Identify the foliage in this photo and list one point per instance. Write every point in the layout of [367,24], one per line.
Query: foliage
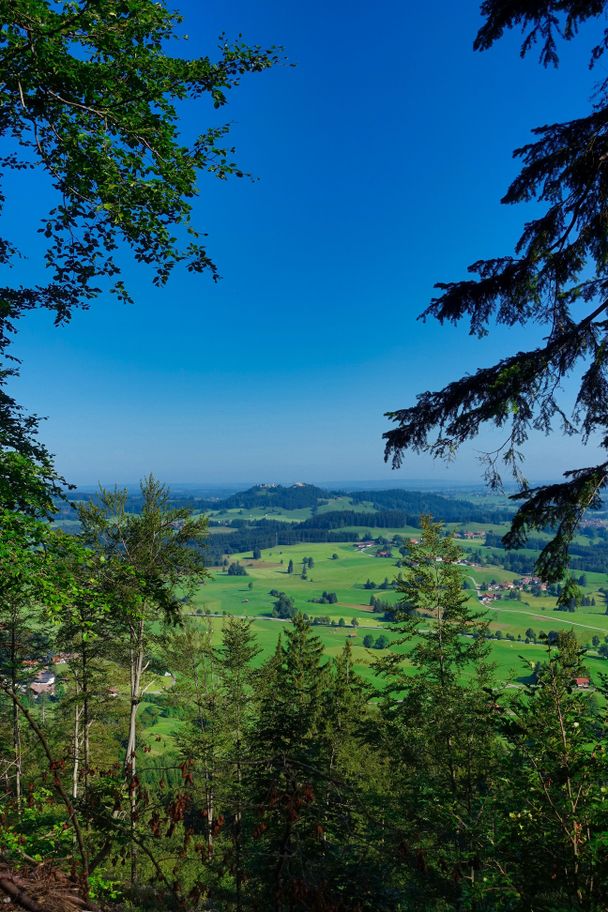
[554,791]
[557,278]
[91,95]
[291,785]
[283,607]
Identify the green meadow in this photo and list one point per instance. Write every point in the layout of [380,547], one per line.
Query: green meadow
[346,575]
[280,514]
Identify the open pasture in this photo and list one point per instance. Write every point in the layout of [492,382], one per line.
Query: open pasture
[281,514]
[345,576]
[249,596]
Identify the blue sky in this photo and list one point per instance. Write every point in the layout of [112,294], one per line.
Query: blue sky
[381,159]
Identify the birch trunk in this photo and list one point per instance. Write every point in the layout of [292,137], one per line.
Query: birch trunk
[136,675]
[15,716]
[76,743]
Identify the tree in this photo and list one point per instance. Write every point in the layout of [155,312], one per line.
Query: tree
[311,847]
[368,641]
[284,607]
[438,728]
[284,780]
[551,803]
[189,653]
[91,96]
[570,596]
[21,643]
[87,619]
[290,567]
[556,278]
[238,651]
[150,558]
[257,554]
[214,693]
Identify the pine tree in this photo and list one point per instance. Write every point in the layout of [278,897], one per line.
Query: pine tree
[438,731]
[236,676]
[552,807]
[555,277]
[287,776]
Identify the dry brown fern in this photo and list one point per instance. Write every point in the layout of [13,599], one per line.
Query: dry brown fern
[40,889]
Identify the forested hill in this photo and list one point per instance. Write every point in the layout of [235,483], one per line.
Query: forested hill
[421,503]
[291,497]
[307,496]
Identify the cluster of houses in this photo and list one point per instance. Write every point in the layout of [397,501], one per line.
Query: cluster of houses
[525,583]
[363,545]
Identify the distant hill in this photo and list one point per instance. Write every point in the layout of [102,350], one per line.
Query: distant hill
[446,509]
[291,497]
[307,496]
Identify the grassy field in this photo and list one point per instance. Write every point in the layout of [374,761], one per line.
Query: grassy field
[345,576]
[282,515]
[249,596]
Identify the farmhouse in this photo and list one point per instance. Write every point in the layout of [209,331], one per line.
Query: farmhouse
[43,683]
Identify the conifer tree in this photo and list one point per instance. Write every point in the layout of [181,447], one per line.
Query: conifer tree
[556,277]
[236,676]
[438,730]
[287,837]
[552,807]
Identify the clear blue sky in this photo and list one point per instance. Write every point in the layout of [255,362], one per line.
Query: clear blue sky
[381,159]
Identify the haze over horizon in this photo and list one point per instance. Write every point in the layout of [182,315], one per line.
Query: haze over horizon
[336,484]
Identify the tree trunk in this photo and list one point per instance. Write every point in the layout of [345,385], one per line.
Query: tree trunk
[136,675]
[238,830]
[15,716]
[76,742]
[86,720]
